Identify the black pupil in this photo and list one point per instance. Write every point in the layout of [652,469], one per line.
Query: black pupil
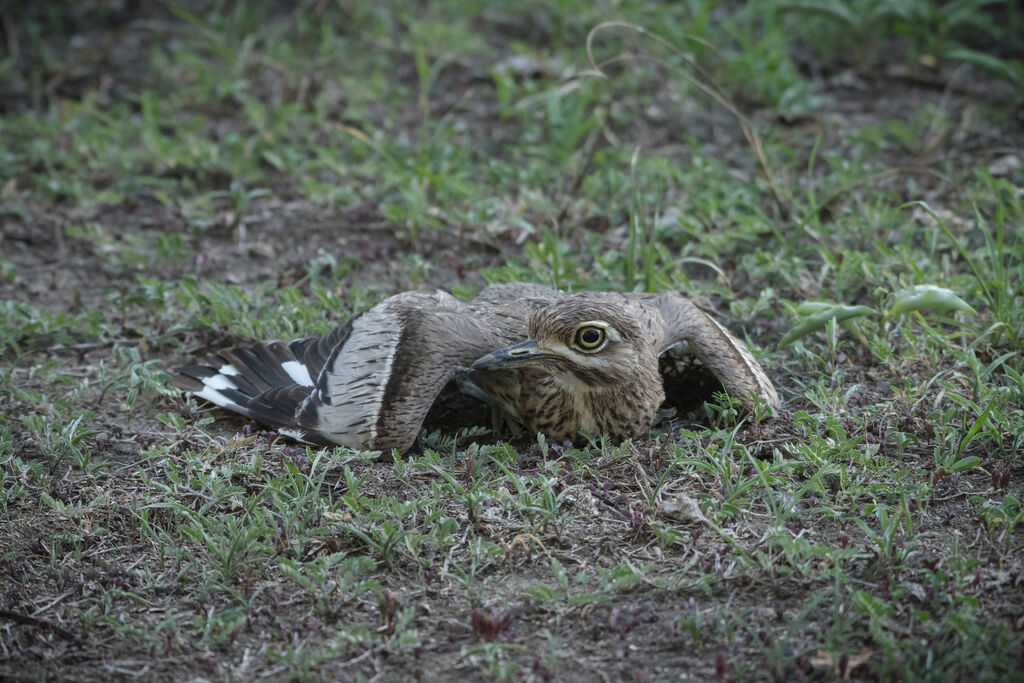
[590,336]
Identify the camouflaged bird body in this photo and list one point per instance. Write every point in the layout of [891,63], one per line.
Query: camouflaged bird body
[562,398]
[370,383]
[562,410]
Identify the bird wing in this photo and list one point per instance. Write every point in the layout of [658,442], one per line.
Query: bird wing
[376,376]
[266,381]
[677,319]
[376,387]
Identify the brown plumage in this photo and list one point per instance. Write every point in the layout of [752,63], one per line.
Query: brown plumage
[544,360]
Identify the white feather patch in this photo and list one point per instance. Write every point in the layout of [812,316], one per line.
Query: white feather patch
[219,382]
[213,396]
[229,370]
[298,372]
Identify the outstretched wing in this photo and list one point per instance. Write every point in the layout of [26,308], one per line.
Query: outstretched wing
[369,383]
[265,381]
[678,319]
[375,389]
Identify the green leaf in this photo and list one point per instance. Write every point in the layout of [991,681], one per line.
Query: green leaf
[927,297]
[819,313]
[1007,70]
[869,605]
[965,463]
[560,574]
[833,9]
[542,593]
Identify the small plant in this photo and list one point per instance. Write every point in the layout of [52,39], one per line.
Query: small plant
[892,540]
[816,315]
[933,32]
[1000,518]
[236,545]
[488,626]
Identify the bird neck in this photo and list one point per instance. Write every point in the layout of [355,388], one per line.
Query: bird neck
[623,407]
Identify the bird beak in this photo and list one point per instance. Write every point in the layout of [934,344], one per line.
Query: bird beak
[523,353]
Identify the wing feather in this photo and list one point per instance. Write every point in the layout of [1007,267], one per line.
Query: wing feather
[679,319]
[376,388]
[370,382]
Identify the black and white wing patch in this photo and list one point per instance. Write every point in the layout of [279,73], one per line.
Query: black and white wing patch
[266,382]
[369,384]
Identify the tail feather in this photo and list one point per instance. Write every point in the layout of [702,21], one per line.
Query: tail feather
[265,382]
[313,352]
[216,387]
[277,407]
[259,365]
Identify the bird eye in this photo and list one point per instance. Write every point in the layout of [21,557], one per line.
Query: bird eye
[589,338]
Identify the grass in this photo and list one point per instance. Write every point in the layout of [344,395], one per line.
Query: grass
[842,190]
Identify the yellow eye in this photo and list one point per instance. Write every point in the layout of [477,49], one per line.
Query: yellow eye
[589,338]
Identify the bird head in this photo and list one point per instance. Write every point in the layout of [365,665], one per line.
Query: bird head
[585,338]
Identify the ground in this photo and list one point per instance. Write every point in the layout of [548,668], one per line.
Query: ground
[182,177]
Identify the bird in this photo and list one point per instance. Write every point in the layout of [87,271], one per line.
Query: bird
[545,361]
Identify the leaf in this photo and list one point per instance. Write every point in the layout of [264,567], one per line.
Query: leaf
[956,243]
[560,575]
[542,593]
[819,313]
[979,423]
[869,605]
[833,10]
[1006,70]
[927,297]
[965,463]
